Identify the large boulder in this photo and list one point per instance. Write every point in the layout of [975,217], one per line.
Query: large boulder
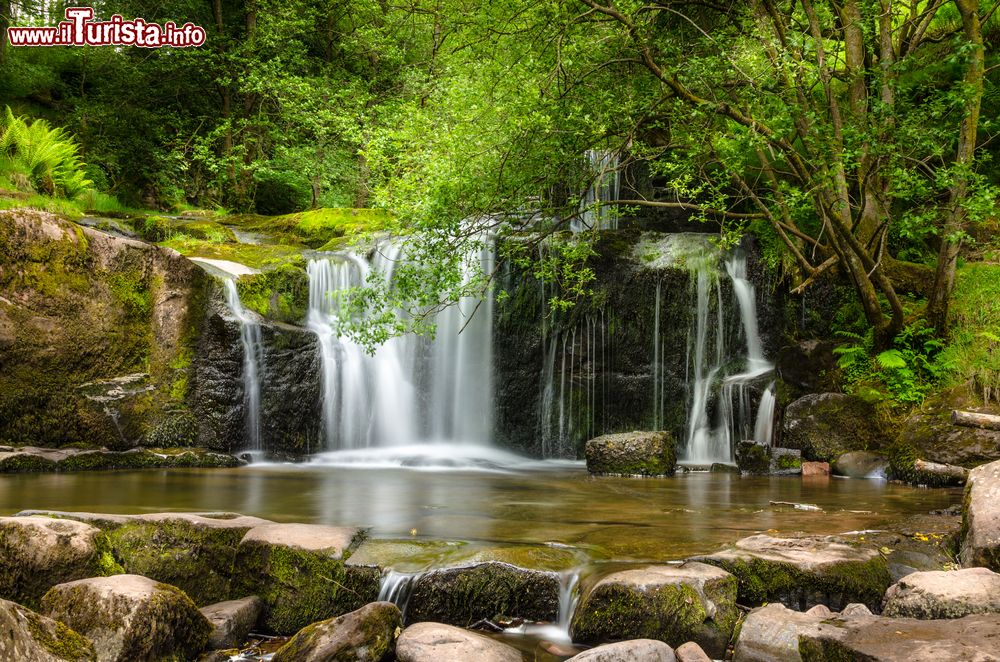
[435,642]
[29,637]
[36,553]
[634,650]
[932,435]
[941,594]
[803,572]
[674,604]
[232,621]
[129,617]
[632,454]
[981,518]
[878,639]
[771,633]
[298,570]
[490,590]
[826,425]
[365,635]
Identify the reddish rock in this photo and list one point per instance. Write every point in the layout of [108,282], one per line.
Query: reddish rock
[815,469]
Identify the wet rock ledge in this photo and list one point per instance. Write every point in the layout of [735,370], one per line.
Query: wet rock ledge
[32,459]
[87,586]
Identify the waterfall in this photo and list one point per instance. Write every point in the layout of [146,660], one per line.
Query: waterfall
[411,389]
[252,359]
[395,587]
[764,427]
[595,212]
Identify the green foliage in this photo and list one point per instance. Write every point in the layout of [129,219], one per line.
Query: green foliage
[48,157]
[973,350]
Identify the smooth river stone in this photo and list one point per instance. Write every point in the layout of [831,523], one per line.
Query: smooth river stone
[364,635]
[633,650]
[943,594]
[435,642]
[981,518]
[30,637]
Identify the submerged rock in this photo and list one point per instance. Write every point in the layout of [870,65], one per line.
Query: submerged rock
[826,425]
[232,621]
[981,518]
[36,553]
[435,642]
[803,572]
[489,590]
[878,639]
[129,617]
[860,464]
[634,650]
[941,594]
[29,637]
[674,604]
[365,635]
[298,570]
[632,454]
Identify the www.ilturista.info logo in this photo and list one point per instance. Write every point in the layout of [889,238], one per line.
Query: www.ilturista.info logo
[80,30]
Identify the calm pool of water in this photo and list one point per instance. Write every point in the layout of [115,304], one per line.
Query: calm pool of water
[640,519]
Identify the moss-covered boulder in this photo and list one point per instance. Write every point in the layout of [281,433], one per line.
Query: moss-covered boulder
[635,650]
[299,571]
[826,425]
[928,430]
[193,552]
[129,617]
[232,621]
[674,604]
[490,590]
[37,553]
[30,637]
[804,572]
[436,642]
[944,594]
[364,635]
[32,459]
[753,458]
[980,535]
[632,454]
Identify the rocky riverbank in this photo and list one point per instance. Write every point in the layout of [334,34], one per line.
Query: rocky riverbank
[87,586]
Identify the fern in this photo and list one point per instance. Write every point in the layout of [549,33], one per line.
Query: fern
[891,359]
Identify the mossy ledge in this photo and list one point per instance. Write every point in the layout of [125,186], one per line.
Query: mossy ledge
[41,460]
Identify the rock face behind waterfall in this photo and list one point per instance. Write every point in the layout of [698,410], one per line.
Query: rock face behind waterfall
[96,336]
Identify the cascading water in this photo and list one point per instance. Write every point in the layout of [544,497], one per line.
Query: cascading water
[252,360]
[395,587]
[411,389]
[595,210]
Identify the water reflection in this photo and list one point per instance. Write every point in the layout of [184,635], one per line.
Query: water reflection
[629,518]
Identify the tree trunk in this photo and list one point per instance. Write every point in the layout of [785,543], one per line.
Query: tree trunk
[951,237]
[971,419]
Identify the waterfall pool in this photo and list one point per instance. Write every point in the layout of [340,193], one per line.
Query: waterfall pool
[487,495]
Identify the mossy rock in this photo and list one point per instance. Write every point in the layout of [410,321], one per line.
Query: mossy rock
[753,458]
[674,604]
[129,617]
[491,590]
[299,571]
[280,294]
[37,553]
[826,425]
[632,454]
[368,633]
[30,636]
[804,572]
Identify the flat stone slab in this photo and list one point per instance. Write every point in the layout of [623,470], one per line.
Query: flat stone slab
[414,555]
[435,642]
[36,553]
[878,639]
[944,594]
[31,459]
[981,518]
[299,572]
[632,454]
[804,572]
[129,617]
[634,650]
[771,633]
[30,637]
[670,603]
[232,621]
[364,635]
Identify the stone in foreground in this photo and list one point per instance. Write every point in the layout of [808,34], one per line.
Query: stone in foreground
[36,553]
[878,639]
[632,454]
[490,590]
[771,633]
[674,604]
[435,642]
[981,518]
[365,635]
[634,650]
[804,572]
[29,637]
[691,652]
[941,594]
[298,571]
[129,617]
[232,621]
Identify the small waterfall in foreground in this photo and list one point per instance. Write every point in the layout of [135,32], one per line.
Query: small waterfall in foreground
[395,587]
[252,360]
[412,388]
